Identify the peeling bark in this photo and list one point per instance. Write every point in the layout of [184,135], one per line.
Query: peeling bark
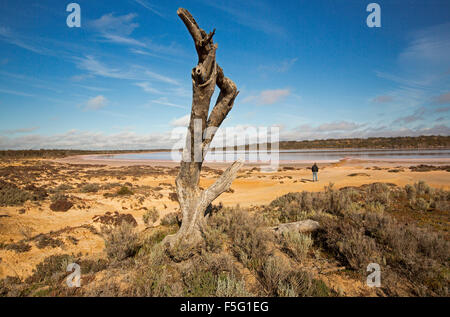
[205,76]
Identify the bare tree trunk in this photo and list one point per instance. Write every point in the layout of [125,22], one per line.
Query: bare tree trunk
[205,76]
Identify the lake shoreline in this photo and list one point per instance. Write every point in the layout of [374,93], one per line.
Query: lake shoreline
[96,160]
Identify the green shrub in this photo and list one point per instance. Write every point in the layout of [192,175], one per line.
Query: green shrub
[90,188]
[11,195]
[124,191]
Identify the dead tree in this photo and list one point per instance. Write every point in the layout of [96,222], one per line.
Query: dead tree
[205,76]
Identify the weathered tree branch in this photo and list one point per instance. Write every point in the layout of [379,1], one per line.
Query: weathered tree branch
[205,76]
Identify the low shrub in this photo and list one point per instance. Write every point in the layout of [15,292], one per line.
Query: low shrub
[170,219]
[11,195]
[296,244]
[90,188]
[124,191]
[150,216]
[121,242]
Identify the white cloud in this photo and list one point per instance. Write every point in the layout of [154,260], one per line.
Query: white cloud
[181,122]
[96,103]
[149,7]
[339,126]
[164,101]
[252,14]
[146,86]
[162,78]
[15,92]
[429,45]
[10,37]
[268,97]
[119,25]
[88,140]
[130,72]
[18,131]
[283,67]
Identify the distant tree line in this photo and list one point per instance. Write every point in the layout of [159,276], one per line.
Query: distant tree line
[419,142]
[46,153]
[422,142]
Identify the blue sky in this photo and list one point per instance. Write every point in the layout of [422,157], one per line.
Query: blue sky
[313,68]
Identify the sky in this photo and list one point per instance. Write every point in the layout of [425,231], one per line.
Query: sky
[314,69]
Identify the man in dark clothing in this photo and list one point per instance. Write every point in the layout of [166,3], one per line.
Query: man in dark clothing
[315,170]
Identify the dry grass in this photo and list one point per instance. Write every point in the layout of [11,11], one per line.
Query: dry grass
[241,256]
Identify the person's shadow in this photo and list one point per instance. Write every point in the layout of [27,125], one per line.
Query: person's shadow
[305,180]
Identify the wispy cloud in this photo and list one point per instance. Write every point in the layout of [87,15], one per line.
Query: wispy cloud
[282,67]
[161,78]
[164,101]
[267,97]
[255,15]
[307,132]
[149,7]
[181,122]
[7,35]
[146,86]
[339,126]
[19,131]
[416,116]
[117,29]
[129,72]
[15,92]
[87,140]
[429,45]
[96,103]
[111,24]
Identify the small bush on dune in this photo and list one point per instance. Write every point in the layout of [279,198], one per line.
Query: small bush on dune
[121,242]
[53,268]
[248,233]
[124,191]
[214,238]
[349,243]
[210,274]
[170,219]
[296,244]
[230,286]
[279,279]
[152,279]
[150,216]
[11,195]
[90,188]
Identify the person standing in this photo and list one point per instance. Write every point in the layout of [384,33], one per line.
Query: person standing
[315,170]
